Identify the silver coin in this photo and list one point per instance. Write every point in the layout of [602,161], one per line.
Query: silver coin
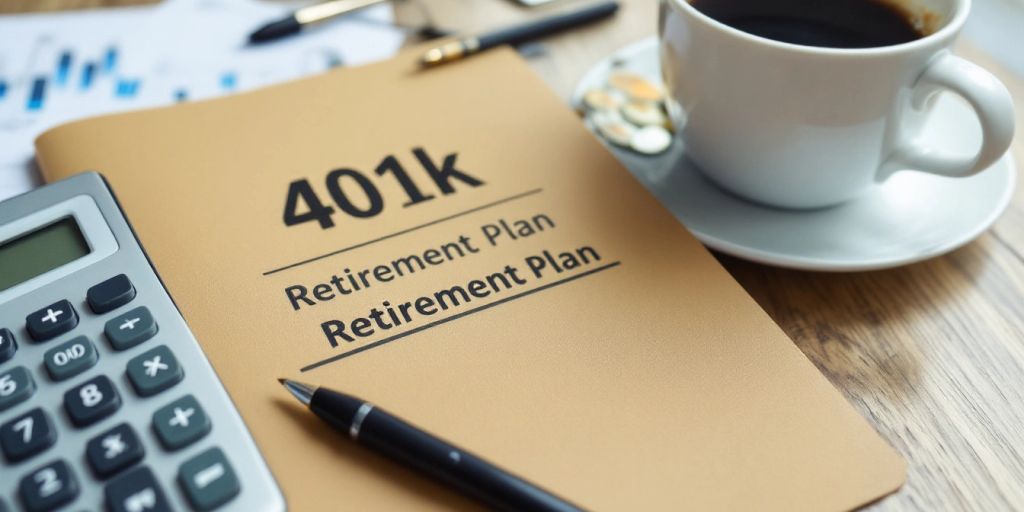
[601,99]
[651,140]
[635,86]
[644,113]
[612,127]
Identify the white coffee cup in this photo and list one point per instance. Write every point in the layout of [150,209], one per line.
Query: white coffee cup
[803,126]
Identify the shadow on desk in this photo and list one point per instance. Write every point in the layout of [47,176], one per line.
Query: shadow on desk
[865,330]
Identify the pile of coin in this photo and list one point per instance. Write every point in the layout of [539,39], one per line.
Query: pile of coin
[629,112]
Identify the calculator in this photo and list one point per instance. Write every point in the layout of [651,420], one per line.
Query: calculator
[107,401]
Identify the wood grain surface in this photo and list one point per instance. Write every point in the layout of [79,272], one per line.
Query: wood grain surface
[931,353]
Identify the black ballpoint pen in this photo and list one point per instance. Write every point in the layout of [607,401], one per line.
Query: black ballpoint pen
[306,16]
[519,34]
[384,433]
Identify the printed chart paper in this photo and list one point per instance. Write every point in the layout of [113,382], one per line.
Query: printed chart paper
[57,67]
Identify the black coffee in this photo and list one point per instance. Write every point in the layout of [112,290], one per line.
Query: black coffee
[825,23]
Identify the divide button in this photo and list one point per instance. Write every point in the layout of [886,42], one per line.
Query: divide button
[130,329]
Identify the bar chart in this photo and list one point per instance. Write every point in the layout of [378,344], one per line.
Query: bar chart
[56,68]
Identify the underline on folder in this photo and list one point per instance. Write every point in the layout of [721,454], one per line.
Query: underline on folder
[350,353]
[405,231]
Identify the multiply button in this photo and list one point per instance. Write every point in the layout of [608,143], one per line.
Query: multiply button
[114,450]
[180,423]
[16,385]
[52,321]
[154,371]
[90,402]
[136,491]
[110,294]
[7,346]
[70,358]
[130,329]
[208,480]
[27,435]
[49,487]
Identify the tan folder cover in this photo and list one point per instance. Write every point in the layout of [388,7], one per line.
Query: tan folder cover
[629,372]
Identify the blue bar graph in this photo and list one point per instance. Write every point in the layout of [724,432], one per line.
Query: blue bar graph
[63,68]
[228,81]
[36,94]
[110,59]
[88,73]
[100,72]
[126,88]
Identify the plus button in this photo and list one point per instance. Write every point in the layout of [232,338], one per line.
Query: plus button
[51,315]
[129,323]
[51,321]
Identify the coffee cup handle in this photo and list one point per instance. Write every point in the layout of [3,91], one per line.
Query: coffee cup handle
[991,102]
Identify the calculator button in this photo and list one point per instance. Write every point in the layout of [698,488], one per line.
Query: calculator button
[114,450]
[70,358]
[130,329]
[8,346]
[49,487]
[16,385]
[110,294]
[27,435]
[92,401]
[180,423]
[52,321]
[154,371]
[208,480]
[136,491]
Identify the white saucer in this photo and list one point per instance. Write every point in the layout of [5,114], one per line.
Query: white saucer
[911,217]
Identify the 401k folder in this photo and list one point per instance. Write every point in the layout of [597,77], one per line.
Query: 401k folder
[455,246]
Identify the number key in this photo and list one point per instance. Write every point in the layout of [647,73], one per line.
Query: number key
[16,385]
[8,346]
[27,435]
[136,491]
[92,401]
[49,487]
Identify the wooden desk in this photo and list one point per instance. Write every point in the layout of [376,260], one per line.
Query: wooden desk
[932,353]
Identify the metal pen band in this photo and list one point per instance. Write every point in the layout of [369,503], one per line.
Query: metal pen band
[357,419]
[451,51]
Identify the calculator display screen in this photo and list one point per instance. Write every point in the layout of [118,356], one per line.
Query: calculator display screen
[40,251]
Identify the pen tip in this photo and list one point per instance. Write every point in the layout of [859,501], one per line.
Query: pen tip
[433,57]
[257,37]
[303,392]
